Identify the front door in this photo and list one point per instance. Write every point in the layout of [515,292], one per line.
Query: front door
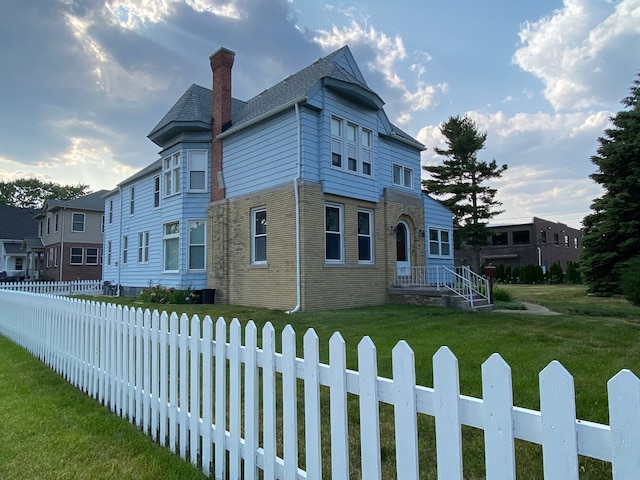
[403,250]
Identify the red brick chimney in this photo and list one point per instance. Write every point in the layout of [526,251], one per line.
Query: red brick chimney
[221,63]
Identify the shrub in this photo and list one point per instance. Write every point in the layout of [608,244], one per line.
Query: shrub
[630,281]
[573,273]
[501,295]
[160,294]
[501,273]
[532,274]
[556,275]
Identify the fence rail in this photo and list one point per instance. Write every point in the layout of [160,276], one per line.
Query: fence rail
[54,288]
[193,386]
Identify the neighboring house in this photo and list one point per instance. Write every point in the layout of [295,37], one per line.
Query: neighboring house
[540,242]
[305,196]
[71,233]
[16,224]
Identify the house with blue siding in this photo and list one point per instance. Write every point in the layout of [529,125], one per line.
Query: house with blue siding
[305,196]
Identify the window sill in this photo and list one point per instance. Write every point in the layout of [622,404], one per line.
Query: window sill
[259,266]
[350,265]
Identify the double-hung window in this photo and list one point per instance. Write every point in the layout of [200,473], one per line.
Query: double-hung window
[92,256]
[259,236]
[132,200]
[333,233]
[402,176]
[365,236]
[110,212]
[57,223]
[171,174]
[125,250]
[351,142]
[439,242]
[197,170]
[76,255]
[143,247]
[108,260]
[336,142]
[77,222]
[156,191]
[171,244]
[197,235]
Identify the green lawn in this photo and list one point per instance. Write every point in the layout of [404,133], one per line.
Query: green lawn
[593,338]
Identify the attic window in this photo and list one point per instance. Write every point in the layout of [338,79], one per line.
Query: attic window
[353,142]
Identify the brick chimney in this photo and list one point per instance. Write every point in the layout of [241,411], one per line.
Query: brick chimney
[221,63]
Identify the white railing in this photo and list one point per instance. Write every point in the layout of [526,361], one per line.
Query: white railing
[193,386]
[462,281]
[55,288]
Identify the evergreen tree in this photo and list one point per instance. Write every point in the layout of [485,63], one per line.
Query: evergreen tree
[460,183]
[612,231]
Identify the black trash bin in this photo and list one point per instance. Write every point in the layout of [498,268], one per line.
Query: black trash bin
[208,295]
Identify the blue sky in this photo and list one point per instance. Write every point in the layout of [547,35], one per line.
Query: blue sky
[84,81]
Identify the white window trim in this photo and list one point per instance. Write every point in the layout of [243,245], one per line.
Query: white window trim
[189,245]
[440,242]
[143,247]
[84,222]
[170,237]
[110,212]
[254,236]
[71,262]
[403,169]
[204,170]
[370,236]
[340,232]
[132,200]
[343,143]
[171,168]
[125,249]
[86,256]
[108,253]
[157,191]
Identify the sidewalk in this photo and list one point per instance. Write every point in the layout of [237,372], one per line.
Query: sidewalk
[531,308]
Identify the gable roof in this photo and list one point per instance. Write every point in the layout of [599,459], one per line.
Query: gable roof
[193,108]
[17,223]
[91,202]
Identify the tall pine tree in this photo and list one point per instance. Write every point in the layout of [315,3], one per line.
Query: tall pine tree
[612,231]
[460,183]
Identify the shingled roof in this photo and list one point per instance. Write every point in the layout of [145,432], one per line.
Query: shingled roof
[93,202]
[17,223]
[193,109]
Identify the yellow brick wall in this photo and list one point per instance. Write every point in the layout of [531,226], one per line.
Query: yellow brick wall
[323,285]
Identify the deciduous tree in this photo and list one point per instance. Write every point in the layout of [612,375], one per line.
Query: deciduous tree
[32,193]
[612,231]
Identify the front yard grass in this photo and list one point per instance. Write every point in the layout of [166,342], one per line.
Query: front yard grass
[593,338]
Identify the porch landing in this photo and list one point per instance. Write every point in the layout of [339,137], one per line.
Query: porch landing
[426,295]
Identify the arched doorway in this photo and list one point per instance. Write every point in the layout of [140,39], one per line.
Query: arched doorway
[403,249]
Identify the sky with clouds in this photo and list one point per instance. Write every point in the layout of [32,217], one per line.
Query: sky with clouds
[84,81]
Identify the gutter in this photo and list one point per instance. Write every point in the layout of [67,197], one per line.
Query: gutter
[297,201]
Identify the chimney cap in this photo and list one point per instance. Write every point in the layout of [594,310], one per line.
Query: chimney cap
[222,50]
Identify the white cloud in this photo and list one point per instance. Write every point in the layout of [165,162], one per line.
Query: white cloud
[584,53]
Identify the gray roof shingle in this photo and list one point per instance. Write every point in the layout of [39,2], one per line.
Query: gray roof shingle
[17,223]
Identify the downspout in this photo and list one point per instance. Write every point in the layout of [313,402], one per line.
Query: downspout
[62,245]
[119,262]
[297,202]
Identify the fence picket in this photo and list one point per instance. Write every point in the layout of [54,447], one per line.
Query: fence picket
[207,394]
[558,413]
[338,407]
[148,368]
[369,410]
[235,400]
[446,385]
[194,390]
[313,440]
[221,398]
[497,395]
[251,408]
[289,402]
[624,416]
[406,426]
[269,401]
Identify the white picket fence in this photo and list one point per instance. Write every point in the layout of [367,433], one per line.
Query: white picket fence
[194,387]
[55,288]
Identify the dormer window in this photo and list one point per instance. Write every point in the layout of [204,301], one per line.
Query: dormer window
[351,142]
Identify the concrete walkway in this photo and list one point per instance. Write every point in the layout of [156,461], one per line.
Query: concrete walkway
[531,308]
